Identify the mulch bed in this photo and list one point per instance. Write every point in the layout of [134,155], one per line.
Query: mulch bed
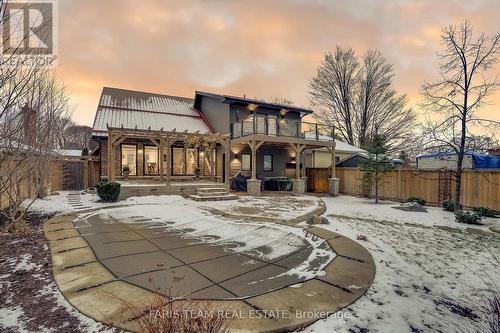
[31,286]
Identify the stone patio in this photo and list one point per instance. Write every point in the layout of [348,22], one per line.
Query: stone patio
[95,257]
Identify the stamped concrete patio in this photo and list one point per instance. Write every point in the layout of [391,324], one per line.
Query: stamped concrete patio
[102,258]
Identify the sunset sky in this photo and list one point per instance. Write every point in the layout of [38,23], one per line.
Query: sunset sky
[257,48]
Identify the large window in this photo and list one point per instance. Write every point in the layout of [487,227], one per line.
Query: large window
[129,158]
[191,161]
[268,162]
[178,161]
[151,164]
[205,164]
[246,162]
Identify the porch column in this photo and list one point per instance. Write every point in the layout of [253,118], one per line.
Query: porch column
[227,146]
[334,167]
[111,157]
[212,161]
[298,183]
[333,181]
[167,169]
[254,159]
[160,162]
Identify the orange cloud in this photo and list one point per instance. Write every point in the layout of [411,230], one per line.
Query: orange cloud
[257,48]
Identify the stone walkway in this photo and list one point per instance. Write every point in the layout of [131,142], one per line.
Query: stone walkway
[98,262]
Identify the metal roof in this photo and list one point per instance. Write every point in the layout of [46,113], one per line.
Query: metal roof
[131,109]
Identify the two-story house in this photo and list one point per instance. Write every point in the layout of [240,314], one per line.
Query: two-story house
[146,132]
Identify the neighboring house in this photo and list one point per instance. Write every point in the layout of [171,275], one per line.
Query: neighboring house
[148,132]
[322,158]
[355,161]
[448,160]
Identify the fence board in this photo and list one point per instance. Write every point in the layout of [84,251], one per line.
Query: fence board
[479,188]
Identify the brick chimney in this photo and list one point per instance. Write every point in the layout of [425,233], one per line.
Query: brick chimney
[29,124]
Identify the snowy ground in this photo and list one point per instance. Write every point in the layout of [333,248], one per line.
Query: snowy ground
[277,206]
[432,273]
[29,298]
[427,278]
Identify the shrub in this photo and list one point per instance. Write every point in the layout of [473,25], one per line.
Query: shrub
[449,205]
[485,211]
[126,168]
[418,200]
[108,191]
[468,217]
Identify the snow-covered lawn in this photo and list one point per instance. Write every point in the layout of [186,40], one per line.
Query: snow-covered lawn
[366,208]
[424,274]
[432,272]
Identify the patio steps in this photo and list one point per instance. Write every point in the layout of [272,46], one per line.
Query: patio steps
[213,194]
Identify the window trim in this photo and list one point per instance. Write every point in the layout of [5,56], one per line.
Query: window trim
[250,167]
[264,163]
[185,161]
[136,158]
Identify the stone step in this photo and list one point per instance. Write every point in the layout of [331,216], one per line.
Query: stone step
[212,194]
[214,198]
[212,189]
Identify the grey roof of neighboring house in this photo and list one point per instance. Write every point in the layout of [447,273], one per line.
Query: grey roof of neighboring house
[127,108]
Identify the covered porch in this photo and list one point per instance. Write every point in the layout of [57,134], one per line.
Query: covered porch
[261,157]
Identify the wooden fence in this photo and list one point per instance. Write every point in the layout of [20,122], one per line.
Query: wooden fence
[479,188]
[27,188]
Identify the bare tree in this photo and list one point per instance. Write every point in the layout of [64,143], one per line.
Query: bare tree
[32,103]
[280,100]
[380,110]
[462,88]
[357,98]
[74,136]
[332,92]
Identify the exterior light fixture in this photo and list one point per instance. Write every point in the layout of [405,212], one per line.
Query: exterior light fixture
[283,112]
[252,107]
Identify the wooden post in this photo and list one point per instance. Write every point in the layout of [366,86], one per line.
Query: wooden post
[212,161]
[228,157]
[334,167]
[297,162]
[167,169]
[85,173]
[254,159]
[111,164]
[160,153]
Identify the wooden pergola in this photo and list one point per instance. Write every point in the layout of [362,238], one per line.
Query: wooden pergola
[164,140]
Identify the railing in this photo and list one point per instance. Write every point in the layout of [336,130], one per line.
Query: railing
[273,126]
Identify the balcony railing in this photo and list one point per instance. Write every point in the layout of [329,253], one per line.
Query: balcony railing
[273,126]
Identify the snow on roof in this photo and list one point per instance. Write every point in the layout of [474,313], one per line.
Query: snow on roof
[119,107]
[340,146]
[69,152]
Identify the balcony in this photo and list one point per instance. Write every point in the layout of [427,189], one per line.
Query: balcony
[289,128]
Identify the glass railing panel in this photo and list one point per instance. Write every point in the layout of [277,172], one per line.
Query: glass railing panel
[248,126]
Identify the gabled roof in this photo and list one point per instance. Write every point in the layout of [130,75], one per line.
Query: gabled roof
[228,99]
[131,109]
